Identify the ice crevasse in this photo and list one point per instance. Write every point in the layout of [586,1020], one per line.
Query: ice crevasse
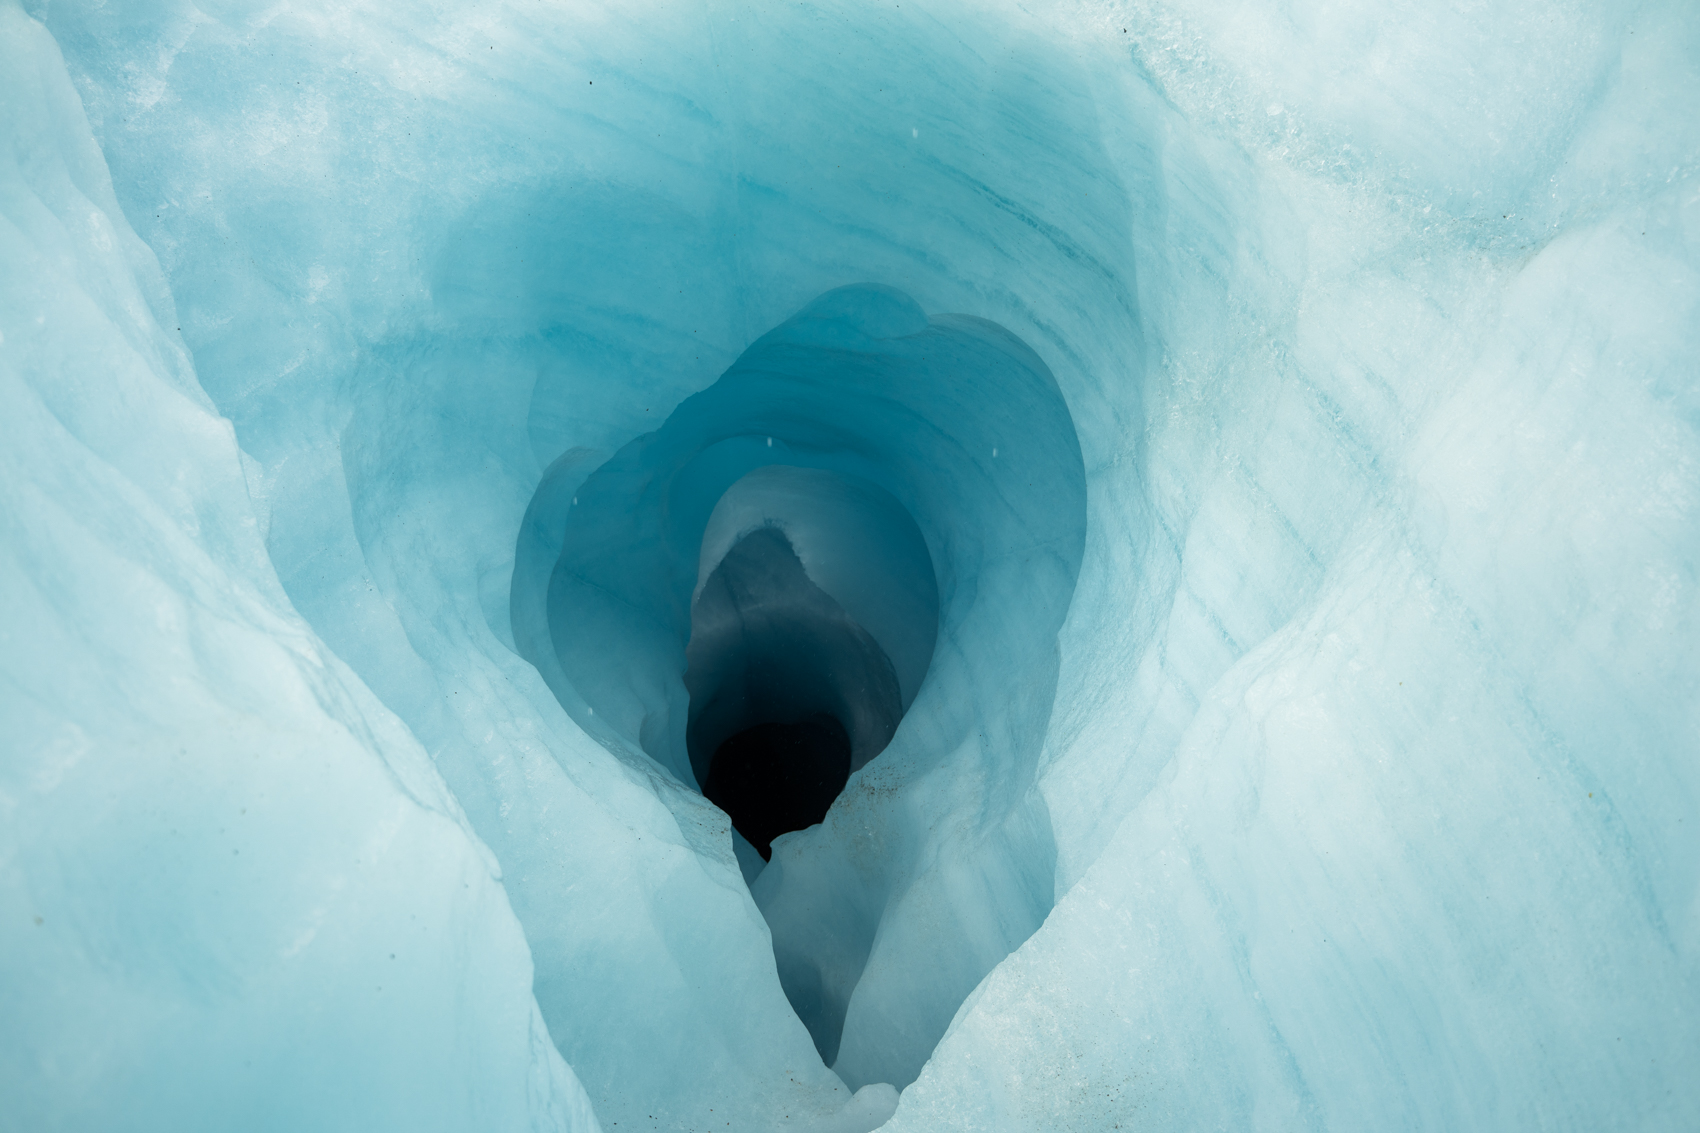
[1195,508]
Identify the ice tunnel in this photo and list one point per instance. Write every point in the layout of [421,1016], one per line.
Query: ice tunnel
[822,567]
[871,513]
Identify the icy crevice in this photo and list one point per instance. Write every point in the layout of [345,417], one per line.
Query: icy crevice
[788,694]
[907,493]
[1368,724]
[769,646]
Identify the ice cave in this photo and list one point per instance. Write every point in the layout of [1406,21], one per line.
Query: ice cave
[586,565]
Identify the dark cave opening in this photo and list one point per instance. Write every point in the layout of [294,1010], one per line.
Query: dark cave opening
[777,777]
[789,694]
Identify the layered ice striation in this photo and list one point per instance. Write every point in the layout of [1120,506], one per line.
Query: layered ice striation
[821,567]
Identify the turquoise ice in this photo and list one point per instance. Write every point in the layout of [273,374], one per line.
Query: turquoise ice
[1247,458]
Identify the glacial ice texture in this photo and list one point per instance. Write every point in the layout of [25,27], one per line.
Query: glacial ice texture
[1237,468]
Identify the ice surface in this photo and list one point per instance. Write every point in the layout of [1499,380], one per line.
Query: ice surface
[1307,729]
[234,893]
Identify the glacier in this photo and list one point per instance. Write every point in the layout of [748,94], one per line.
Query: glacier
[1214,488]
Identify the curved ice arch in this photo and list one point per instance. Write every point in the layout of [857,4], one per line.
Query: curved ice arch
[963,427]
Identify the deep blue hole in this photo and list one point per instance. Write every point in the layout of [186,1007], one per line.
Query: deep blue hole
[775,778]
[787,691]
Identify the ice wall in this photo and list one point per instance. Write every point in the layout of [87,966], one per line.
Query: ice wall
[1366,794]
[234,892]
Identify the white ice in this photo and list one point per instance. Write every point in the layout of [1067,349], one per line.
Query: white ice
[1309,735]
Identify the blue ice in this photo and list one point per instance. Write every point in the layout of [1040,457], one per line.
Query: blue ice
[1226,478]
